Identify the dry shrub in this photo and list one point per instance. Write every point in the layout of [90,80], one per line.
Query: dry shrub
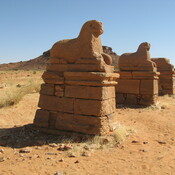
[121,133]
[118,137]
[34,85]
[10,97]
[12,94]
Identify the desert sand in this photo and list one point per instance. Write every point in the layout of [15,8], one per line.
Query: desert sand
[149,150]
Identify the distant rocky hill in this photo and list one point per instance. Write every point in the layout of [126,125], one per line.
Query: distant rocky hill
[40,62]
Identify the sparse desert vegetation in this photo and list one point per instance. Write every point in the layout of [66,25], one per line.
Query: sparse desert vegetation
[149,149]
[14,88]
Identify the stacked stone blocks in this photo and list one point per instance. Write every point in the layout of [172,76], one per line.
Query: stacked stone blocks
[138,82]
[167,76]
[137,88]
[78,94]
[82,102]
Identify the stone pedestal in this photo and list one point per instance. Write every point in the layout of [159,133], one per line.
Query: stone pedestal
[138,83]
[75,99]
[167,76]
[137,88]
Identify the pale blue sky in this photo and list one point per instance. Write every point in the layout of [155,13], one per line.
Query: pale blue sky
[30,27]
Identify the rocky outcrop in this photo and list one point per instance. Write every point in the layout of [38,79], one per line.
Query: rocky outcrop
[38,63]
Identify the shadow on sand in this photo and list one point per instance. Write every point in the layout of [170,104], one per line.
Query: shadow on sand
[23,136]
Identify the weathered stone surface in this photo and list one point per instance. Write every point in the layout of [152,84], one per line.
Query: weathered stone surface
[128,86]
[125,75]
[59,90]
[113,122]
[148,99]
[56,103]
[57,60]
[47,89]
[53,77]
[89,92]
[131,99]
[89,61]
[166,75]
[145,75]
[149,87]
[86,45]
[80,68]
[41,118]
[139,60]
[134,84]
[82,123]
[120,98]
[79,91]
[91,83]
[52,119]
[91,78]
[138,75]
[163,64]
[166,83]
[94,107]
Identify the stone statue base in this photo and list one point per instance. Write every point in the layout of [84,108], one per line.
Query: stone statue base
[167,83]
[137,88]
[167,76]
[77,102]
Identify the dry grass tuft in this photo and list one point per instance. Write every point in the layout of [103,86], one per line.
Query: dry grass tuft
[122,133]
[13,93]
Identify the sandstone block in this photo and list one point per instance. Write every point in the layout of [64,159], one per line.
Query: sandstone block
[89,61]
[47,89]
[52,119]
[166,91]
[79,91]
[53,77]
[90,78]
[149,87]
[80,68]
[163,64]
[41,118]
[166,81]
[145,75]
[57,60]
[128,86]
[89,92]
[166,86]
[82,123]
[132,99]
[128,99]
[59,90]
[94,107]
[113,122]
[137,61]
[93,76]
[125,75]
[148,99]
[54,103]
[120,98]
[91,83]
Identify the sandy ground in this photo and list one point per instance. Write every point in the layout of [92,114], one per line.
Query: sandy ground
[148,151]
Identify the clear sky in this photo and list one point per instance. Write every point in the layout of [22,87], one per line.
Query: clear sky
[30,27]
